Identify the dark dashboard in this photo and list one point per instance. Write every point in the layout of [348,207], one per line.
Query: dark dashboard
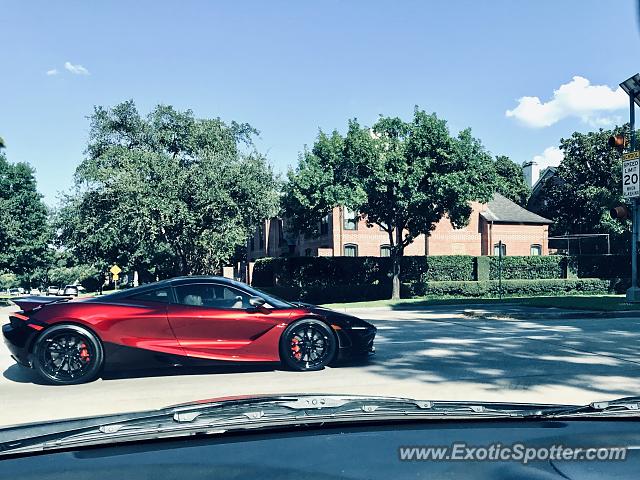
[369,451]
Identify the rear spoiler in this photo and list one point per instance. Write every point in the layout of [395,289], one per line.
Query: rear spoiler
[31,303]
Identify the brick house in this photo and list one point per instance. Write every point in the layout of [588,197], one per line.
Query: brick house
[343,233]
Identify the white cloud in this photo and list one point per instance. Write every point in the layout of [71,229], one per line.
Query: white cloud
[578,98]
[76,69]
[52,72]
[551,157]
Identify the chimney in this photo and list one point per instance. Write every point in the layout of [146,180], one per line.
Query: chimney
[531,171]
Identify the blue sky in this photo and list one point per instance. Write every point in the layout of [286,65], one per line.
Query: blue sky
[292,67]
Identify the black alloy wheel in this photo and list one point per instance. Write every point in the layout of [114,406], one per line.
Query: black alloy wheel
[308,345]
[68,355]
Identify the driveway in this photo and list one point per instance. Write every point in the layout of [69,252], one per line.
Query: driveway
[434,353]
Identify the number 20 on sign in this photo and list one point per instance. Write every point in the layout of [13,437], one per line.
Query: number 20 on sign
[631,174]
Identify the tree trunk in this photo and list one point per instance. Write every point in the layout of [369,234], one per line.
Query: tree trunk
[396,256]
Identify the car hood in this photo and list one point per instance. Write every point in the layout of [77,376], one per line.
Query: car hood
[342,319]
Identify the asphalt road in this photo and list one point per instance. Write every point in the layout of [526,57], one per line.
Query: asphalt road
[428,354]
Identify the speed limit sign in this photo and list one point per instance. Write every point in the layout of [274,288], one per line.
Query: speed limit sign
[631,174]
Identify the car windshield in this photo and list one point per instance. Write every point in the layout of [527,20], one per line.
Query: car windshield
[435,201]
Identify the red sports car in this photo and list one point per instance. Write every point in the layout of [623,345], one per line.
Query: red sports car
[185,320]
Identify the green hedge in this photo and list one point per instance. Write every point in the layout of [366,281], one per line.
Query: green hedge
[528,268]
[325,271]
[334,294]
[509,287]
[602,266]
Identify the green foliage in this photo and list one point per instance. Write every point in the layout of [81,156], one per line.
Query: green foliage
[483,268]
[24,228]
[307,272]
[514,267]
[603,266]
[85,275]
[550,287]
[328,271]
[511,182]
[8,280]
[403,176]
[333,294]
[587,184]
[165,194]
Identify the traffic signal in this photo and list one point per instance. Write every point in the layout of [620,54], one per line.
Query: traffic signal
[620,212]
[619,142]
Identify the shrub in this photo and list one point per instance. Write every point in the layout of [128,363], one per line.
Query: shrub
[334,294]
[602,266]
[449,268]
[509,287]
[527,267]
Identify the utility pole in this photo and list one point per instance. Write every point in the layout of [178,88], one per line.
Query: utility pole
[631,178]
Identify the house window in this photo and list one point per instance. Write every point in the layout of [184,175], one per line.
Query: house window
[385,251]
[536,250]
[496,249]
[261,236]
[350,219]
[350,250]
[324,225]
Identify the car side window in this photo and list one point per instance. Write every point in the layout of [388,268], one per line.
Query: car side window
[158,296]
[212,295]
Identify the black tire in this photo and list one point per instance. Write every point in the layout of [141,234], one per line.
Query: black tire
[67,355]
[308,345]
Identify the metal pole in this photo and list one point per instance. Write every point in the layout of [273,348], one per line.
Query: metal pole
[634,205]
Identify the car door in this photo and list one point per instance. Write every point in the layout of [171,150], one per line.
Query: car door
[215,321]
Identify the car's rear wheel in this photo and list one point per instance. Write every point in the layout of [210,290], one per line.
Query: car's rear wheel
[68,355]
[307,345]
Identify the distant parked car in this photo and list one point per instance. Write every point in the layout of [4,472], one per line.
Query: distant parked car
[13,291]
[35,291]
[71,290]
[52,290]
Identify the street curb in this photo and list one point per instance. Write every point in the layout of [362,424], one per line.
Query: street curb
[547,313]
[553,314]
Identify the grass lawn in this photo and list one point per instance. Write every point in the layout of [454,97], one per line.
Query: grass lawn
[576,302]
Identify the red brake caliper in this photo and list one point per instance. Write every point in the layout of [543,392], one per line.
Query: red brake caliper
[295,348]
[84,352]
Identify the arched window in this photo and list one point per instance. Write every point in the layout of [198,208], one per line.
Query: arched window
[351,250]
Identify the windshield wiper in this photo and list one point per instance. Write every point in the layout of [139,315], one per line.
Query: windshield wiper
[247,414]
[622,407]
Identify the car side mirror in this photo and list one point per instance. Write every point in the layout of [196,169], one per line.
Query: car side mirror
[257,301]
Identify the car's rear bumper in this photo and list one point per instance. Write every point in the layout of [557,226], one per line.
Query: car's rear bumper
[18,340]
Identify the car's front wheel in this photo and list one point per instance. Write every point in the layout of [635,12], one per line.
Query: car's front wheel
[307,345]
[68,355]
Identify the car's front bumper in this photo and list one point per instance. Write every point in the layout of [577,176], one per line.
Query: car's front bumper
[18,339]
[356,342]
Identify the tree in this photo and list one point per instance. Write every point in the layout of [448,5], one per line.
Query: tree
[168,194]
[587,185]
[402,176]
[24,228]
[511,182]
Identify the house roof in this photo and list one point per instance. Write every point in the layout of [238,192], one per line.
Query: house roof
[501,209]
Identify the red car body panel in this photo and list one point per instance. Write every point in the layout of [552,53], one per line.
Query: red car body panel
[133,324]
[225,334]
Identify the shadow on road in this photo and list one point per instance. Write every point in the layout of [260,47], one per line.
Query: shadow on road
[602,355]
